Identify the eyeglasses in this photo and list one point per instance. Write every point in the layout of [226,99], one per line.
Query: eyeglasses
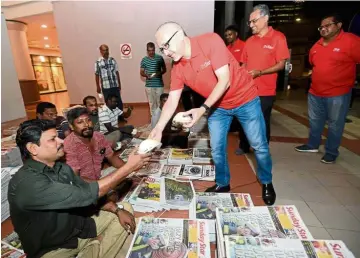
[326,26]
[166,44]
[254,21]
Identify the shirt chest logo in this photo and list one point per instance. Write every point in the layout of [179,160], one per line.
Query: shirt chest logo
[237,50]
[336,49]
[268,47]
[204,65]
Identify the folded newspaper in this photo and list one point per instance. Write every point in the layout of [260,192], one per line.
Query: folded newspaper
[156,194]
[11,252]
[173,238]
[242,247]
[205,204]
[260,221]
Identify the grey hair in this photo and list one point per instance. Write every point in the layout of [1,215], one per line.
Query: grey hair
[264,9]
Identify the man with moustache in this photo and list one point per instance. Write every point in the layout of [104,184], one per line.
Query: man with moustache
[334,58]
[91,105]
[264,55]
[49,204]
[85,148]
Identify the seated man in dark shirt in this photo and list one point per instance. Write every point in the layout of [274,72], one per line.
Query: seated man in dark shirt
[49,204]
[47,111]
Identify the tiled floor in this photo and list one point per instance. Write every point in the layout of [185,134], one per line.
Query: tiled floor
[327,196]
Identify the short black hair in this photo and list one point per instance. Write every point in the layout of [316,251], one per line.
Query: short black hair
[336,18]
[88,98]
[110,96]
[150,45]
[74,113]
[30,131]
[164,96]
[233,28]
[40,108]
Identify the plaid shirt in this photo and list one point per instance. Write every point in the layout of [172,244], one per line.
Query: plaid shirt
[80,157]
[106,69]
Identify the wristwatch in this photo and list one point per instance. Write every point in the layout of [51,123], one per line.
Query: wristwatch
[120,207]
[206,107]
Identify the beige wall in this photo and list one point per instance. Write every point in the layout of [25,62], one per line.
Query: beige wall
[12,104]
[83,26]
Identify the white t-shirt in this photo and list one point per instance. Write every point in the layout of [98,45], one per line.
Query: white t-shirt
[106,115]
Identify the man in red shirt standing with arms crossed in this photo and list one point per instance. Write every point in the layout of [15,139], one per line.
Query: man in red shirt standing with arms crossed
[264,55]
[206,65]
[334,58]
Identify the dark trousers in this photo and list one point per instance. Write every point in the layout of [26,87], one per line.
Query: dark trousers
[267,103]
[113,91]
[191,99]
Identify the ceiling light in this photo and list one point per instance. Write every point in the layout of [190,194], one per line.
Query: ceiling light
[47,46]
[298,19]
[42,58]
[46,38]
[58,60]
[44,26]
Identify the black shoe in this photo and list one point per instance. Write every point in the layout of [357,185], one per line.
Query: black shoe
[218,189]
[328,159]
[268,194]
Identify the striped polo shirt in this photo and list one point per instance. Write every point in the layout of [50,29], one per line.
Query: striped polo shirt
[107,115]
[153,65]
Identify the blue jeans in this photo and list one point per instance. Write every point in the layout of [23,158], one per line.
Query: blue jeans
[252,121]
[327,109]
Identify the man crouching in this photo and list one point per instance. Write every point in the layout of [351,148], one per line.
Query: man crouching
[49,204]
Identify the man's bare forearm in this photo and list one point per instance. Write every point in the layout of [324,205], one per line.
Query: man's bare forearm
[109,182]
[219,90]
[109,206]
[274,69]
[97,80]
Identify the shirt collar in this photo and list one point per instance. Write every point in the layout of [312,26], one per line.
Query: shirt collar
[268,34]
[42,167]
[338,37]
[102,58]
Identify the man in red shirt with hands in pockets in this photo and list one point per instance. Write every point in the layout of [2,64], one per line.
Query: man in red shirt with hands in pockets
[206,65]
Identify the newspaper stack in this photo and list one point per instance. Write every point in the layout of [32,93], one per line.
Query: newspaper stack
[6,174]
[199,140]
[202,156]
[156,194]
[9,251]
[180,157]
[259,221]
[241,247]
[205,204]
[11,157]
[13,240]
[175,238]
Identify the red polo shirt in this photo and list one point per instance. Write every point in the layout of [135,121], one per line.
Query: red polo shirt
[209,53]
[261,53]
[236,49]
[334,65]
[80,157]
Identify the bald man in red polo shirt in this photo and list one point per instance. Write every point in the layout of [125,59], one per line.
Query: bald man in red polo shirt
[264,55]
[206,65]
[334,58]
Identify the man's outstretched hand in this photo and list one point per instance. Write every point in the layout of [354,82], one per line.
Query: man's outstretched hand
[196,114]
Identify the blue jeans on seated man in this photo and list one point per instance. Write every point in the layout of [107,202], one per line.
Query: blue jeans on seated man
[332,110]
[252,120]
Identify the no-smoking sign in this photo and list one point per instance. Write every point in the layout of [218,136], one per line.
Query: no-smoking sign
[126,51]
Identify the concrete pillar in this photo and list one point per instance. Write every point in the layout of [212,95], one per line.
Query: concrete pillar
[16,31]
[229,13]
[12,104]
[20,49]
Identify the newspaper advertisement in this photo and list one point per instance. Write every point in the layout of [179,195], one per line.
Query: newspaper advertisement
[174,238]
[242,247]
[170,171]
[260,221]
[177,193]
[150,169]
